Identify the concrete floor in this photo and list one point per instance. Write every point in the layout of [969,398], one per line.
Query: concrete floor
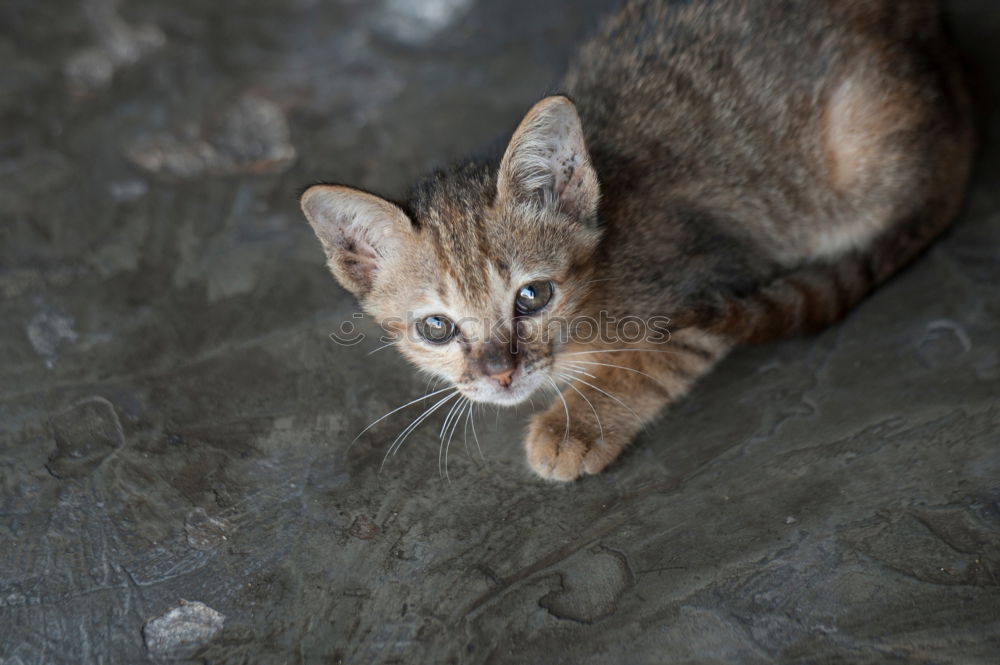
[175,421]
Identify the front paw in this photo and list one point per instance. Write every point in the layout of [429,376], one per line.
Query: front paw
[557,454]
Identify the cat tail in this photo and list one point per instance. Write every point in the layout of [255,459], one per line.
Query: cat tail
[810,298]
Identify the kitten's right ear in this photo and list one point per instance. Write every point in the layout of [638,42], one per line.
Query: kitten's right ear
[547,162]
[360,232]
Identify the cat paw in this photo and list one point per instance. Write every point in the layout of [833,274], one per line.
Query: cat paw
[555,454]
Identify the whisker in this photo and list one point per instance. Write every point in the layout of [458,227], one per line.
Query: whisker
[386,346]
[565,407]
[444,429]
[432,381]
[604,392]
[400,408]
[627,369]
[580,393]
[475,437]
[447,446]
[453,414]
[413,424]
[398,442]
[583,353]
[580,371]
[465,430]
[447,419]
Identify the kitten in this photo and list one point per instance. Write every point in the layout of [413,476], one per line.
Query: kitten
[746,168]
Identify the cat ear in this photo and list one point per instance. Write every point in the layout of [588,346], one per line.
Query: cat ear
[547,163]
[359,232]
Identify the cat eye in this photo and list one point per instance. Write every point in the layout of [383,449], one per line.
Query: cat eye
[436,329]
[533,297]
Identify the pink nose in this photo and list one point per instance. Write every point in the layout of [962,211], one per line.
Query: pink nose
[503,378]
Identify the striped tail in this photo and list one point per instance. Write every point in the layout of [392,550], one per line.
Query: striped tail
[808,299]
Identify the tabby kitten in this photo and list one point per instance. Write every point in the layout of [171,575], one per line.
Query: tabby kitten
[748,169]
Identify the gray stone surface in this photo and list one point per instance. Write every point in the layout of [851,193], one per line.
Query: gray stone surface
[175,421]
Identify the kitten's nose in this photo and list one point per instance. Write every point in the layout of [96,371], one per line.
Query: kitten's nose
[498,363]
[503,378]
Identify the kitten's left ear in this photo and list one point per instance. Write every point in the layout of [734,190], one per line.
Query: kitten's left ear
[547,163]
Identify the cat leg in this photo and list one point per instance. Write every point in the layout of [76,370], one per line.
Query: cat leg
[608,396]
